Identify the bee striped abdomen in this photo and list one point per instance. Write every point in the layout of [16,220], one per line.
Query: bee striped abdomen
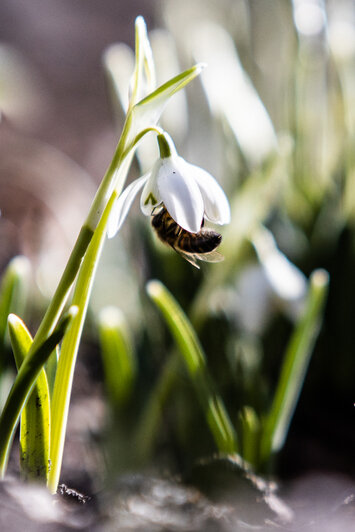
[192,246]
[202,242]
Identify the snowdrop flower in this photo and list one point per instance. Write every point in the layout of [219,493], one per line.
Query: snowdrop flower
[189,193]
[288,283]
[275,283]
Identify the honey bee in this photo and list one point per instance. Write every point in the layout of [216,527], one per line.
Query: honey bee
[191,246]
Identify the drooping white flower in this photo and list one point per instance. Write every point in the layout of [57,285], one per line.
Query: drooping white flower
[189,193]
[288,283]
[273,284]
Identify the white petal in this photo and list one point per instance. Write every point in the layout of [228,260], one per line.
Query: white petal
[286,280]
[217,209]
[150,197]
[180,194]
[123,204]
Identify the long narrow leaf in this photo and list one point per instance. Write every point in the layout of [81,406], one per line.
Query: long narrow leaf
[35,417]
[250,434]
[294,367]
[13,293]
[23,386]
[117,355]
[148,424]
[216,415]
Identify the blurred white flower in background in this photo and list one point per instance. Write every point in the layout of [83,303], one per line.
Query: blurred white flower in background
[274,283]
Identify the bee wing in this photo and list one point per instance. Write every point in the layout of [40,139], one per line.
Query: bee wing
[212,256]
[190,257]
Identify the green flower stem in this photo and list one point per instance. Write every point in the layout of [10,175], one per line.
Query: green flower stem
[59,299]
[61,294]
[294,368]
[67,359]
[23,386]
[189,346]
[117,171]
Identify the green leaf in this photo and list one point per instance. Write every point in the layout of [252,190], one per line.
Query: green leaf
[24,383]
[294,367]
[250,432]
[117,355]
[35,417]
[189,346]
[13,293]
[148,423]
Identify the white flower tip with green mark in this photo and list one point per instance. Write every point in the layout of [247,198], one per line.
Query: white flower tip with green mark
[188,192]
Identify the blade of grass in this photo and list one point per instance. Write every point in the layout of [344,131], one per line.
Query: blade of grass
[189,346]
[35,417]
[250,432]
[117,355]
[13,293]
[23,386]
[148,423]
[294,367]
